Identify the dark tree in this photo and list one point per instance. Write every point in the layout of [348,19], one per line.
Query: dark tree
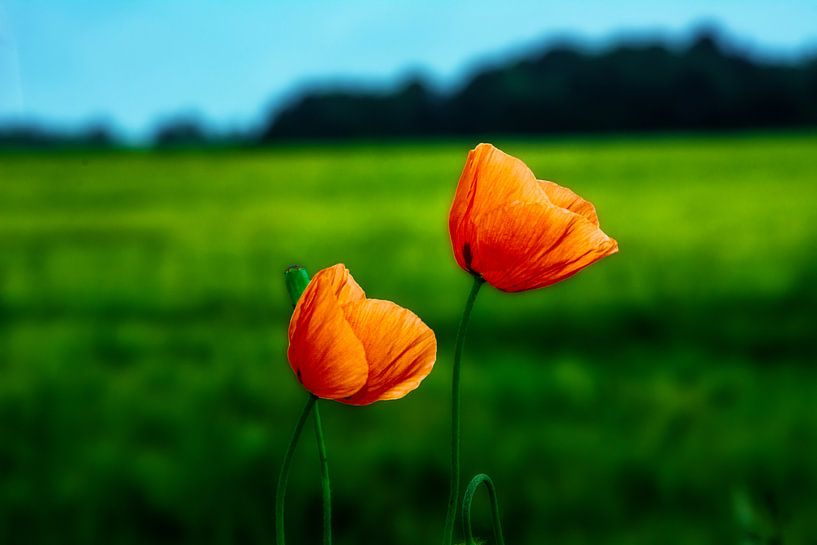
[639,87]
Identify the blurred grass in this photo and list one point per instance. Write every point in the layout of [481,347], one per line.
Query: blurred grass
[145,395]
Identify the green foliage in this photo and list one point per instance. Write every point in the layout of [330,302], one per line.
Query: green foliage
[145,394]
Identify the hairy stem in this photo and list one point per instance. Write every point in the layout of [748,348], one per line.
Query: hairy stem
[448,532]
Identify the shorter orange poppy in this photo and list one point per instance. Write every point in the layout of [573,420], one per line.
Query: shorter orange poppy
[517,232]
[348,348]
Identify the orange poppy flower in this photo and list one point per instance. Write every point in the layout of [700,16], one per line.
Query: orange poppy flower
[517,232]
[355,350]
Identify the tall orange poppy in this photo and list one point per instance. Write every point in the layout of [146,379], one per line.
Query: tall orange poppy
[355,350]
[517,232]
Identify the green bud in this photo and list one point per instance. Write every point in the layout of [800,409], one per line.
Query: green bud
[297,279]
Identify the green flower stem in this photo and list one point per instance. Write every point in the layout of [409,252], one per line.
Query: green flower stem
[280,491]
[297,279]
[325,483]
[448,533]
[482,478]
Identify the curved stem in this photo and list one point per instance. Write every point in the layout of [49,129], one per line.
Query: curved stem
[297,279]
[325,484]
[448,532]
[280,491]
[482,478]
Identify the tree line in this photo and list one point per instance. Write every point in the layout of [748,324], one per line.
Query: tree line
[705,85]
[642,87]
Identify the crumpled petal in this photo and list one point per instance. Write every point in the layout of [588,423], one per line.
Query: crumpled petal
[400,349]
[324,352]
[532,246]
[490,179]
[342,283]
[565,198]
[517,232]
[355,350]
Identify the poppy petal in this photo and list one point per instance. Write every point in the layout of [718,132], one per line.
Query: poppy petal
[565,198]
[400,349]
[532,245]
[490,179]
[518,232]
[324,352]
[342,283]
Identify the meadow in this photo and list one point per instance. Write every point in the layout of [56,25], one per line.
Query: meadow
[664,395]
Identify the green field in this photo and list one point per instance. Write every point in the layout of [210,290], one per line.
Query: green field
[665,395]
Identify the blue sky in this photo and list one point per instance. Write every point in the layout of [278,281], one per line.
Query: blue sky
[130,63]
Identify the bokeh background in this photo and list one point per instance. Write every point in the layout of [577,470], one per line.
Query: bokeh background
[161,163]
